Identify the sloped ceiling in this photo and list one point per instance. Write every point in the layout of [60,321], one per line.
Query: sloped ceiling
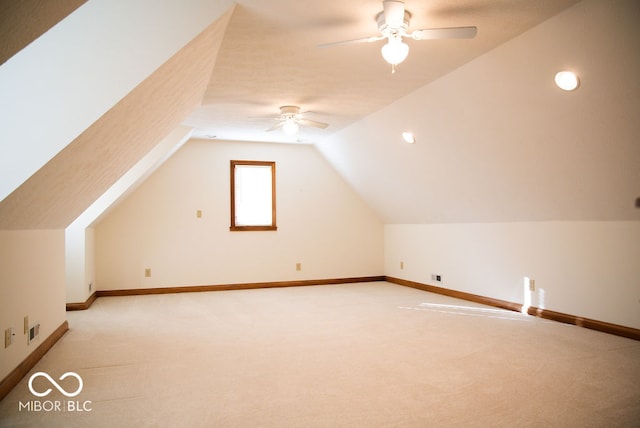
[497,141]
[60,191]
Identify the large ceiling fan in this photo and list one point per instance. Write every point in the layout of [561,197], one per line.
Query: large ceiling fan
[290,120]
[393,23]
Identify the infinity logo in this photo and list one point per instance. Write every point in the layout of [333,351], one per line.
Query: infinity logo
[54,383]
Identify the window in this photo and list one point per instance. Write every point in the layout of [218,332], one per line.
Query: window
[253,195]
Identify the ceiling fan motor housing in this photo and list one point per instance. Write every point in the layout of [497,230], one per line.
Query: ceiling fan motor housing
[388,30]
[289,112]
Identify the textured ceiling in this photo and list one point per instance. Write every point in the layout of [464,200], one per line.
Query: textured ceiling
[269,58]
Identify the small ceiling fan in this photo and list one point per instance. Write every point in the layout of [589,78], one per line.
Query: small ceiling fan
[290,120]
[393,23]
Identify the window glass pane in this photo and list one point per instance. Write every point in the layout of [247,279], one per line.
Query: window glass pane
[253,196]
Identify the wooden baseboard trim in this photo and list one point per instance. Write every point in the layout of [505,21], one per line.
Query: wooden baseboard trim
[244,286]
[84,305]
[457,294]
[14,377]
[605,327]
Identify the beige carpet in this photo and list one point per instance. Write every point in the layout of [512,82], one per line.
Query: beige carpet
[353,355]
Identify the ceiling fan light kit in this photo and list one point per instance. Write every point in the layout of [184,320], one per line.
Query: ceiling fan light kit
[290,127]
[395,51]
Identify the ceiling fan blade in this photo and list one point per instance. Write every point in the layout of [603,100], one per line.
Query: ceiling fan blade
[445,33]
[276,126]
[315,124]
[345,42]
[393,13]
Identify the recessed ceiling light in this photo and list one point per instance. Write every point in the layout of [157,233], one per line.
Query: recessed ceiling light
[408,137]
[567,80]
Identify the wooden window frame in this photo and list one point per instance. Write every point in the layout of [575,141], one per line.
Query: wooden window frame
[233,226]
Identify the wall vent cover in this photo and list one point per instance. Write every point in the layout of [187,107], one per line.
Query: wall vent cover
[34,332]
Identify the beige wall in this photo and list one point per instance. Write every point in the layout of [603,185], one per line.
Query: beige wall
[588,269]
[322,224]
[32,283]
[79,263]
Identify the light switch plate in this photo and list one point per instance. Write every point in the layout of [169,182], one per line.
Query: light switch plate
[8,337]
